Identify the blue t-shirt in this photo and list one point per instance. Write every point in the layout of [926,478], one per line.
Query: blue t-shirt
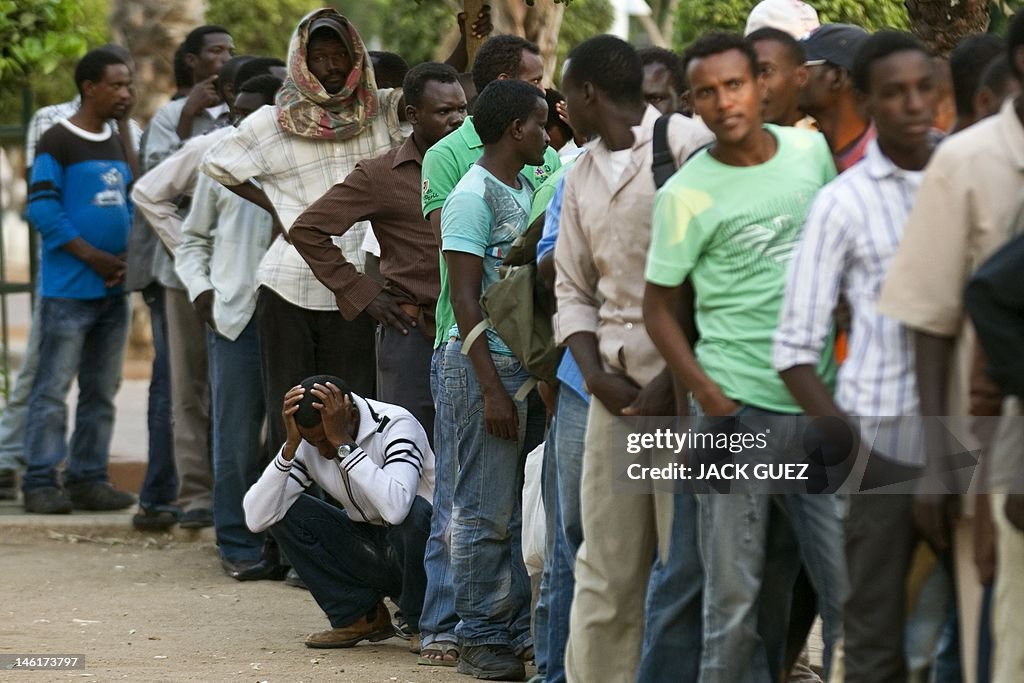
[483,216]
[79,188]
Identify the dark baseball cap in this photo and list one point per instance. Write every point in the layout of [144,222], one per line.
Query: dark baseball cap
[835,44]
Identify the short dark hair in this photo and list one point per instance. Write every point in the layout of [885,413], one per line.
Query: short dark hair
[716,43]
[308,416]
[877,47]
[182,73]
[793,47]
[500,55]
[996,76]
[196,39]
[94,64]
[553,97]
[966,63]
[611,65]
[668,59]
[416,80]
[501,103]
[264,85]
[388,68]
[229,72]
[1014,40]
[257,66]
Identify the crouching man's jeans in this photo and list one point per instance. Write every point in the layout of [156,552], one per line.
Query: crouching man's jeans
[350,566]
[492,588]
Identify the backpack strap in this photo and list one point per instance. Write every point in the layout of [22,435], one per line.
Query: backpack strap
[664,164]
[474,334]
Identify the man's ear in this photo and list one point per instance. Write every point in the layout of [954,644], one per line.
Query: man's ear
[802,75]
[516,128]
[88,88]
[411,115]
[191,60]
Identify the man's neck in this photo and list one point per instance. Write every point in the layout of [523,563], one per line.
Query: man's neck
[502,163]
[86,119]
[618,124]
[790,119]
[904,157]
[420,143]
[842,126]
[757,148]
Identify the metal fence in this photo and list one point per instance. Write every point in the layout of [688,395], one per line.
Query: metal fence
[13,133]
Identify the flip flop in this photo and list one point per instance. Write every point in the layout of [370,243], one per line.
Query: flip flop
[447,654]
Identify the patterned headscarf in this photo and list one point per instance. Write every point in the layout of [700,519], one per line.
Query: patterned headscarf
[305,108]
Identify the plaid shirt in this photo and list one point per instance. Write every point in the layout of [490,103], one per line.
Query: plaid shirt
[294,172]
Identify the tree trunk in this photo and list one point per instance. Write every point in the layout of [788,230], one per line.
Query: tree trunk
[941,24]
[543,22]
[152,30]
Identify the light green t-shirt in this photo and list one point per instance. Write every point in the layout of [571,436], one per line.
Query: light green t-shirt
[483,217]
[732,230]
[444,164]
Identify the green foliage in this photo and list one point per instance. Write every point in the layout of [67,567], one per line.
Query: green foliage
[582,19]
[694,18]
[259,27]
[36,35]
[43,57]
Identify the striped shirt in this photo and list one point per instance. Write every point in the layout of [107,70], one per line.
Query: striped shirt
[854,227]
[294,172]
[376,483]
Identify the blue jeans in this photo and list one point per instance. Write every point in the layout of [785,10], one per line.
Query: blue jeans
[492,589]
[673,624]
[84,338]
[439,618]
[567,434]
[237,414]
[750,566]
[12,420]
[160,486]
[351,566]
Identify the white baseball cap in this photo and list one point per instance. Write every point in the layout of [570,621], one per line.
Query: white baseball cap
[792,16]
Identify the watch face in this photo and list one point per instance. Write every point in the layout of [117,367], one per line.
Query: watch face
[344,450]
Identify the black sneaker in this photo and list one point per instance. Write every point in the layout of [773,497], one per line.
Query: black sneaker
[292,578]
[48,500]
[196,519]
[99,496]
[491,663]
[155,517]
[8,485]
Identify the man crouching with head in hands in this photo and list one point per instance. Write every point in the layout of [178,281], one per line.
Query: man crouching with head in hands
[374,459]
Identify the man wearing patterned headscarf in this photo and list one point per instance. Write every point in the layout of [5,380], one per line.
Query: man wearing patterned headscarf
[328,116]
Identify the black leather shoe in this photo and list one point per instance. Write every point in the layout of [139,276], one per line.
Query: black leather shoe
[99,495]
[48,500]
[260,570]
[491,663]
[196,519]
[8,485]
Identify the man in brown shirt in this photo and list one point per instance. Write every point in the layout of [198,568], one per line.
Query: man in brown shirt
[386,191]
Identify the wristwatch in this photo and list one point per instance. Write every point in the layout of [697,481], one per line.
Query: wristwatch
[344,450]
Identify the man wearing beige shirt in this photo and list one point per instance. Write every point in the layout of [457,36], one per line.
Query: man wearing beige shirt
[600,253]
[962,214]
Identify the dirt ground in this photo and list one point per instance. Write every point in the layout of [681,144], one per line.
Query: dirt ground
[158,609]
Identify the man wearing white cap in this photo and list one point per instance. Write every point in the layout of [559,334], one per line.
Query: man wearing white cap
[792,16]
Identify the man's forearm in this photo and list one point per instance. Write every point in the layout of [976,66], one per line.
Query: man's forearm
[810,392]
[661,309]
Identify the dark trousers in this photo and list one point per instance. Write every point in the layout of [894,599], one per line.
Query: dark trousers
[403,373]
[880,541]
[296,343]
[161,482]
[350,566]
